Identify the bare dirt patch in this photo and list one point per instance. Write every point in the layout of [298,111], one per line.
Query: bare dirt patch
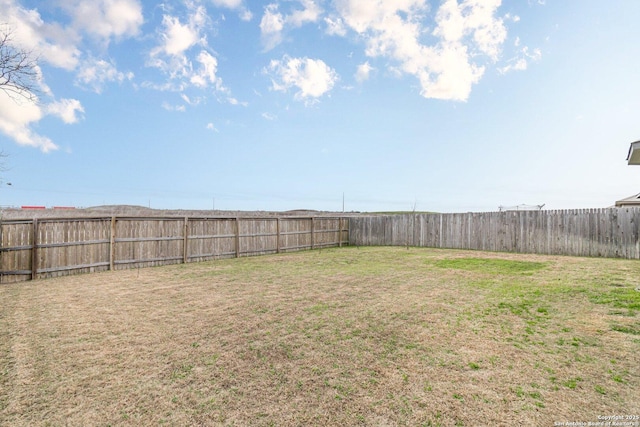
[369,336]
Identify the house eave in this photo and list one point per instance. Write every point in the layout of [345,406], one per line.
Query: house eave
[633,157]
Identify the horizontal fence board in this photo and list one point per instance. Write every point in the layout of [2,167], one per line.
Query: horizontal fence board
[73,267]
[43,248]
[16,272]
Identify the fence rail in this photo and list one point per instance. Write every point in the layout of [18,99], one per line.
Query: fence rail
[40,248]
[611,232]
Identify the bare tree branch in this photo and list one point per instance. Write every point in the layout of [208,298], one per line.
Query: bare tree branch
[19,71]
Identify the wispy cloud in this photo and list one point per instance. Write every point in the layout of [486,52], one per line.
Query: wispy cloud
[233,101]
[105,19]
[231,4]
[312,78]
[69,110]
[271,26]
[244,13]
[274,24]
[521,61]
[183,53]
[177,107]
[363,72]
[96,73]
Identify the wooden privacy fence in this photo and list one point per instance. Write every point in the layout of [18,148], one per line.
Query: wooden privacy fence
[612,232]
[39,248]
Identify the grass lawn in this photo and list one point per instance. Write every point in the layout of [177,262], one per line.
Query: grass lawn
[351,336]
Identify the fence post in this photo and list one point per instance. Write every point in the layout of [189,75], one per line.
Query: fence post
[312,231]
[278,235]
[237,237]
[339,232]
[112,243]
[414,231]
[185,241]
[34,250]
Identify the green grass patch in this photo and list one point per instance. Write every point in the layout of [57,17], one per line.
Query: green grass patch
[572,383]
[600,389]
[627,329]
[618,297]
[491,265]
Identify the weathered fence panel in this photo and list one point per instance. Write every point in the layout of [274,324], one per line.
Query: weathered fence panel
[41,248]
[612,232]
[211,239]
[257,236]
[295,234]
[80,245]
[17,243]
[326,232]
[148,242]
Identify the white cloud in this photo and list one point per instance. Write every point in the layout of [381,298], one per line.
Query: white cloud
[231,4]
[61,43]
[177,107]
[518,64]
[190,100]
[175,57]
[96,73]
[450,74]
[67,109]
[335,26]
[274,23]
[206,74]
[271,26]
[53,43]
[310,13]
[445,68]
[269,116]
[178,37]
[513,18]
[106,18]
[312,77]
[211,127]
[363,72]
[234,101]
[17,119]
[521,61]
[246,15]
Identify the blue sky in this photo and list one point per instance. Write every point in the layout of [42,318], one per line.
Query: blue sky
[447,106]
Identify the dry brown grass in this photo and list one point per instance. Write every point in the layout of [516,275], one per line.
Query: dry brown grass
[369,336]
